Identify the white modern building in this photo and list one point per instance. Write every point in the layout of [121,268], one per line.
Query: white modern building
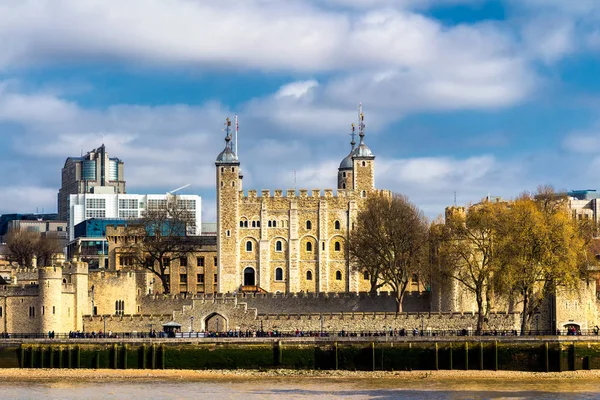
[126,206]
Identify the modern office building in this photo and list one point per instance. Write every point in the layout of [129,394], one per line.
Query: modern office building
[94,172]
[127,206]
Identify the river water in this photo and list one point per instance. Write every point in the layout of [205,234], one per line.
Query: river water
[305,388]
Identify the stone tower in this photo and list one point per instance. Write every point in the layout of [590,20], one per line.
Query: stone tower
[78,271]
[50,281]
[229,184]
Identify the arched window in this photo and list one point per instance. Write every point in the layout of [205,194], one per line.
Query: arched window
[269,224]
[343,186]
[363,193]
[308,246]
[278,274]
[344,174]
[232,169]
[338,276]
[222,169]
[366,276]
[309,275]
[254,224]
[278,246]
[337,246]
[364,164]
[308,225]
[337,225]
[241,224]
[245,224]
[248,245]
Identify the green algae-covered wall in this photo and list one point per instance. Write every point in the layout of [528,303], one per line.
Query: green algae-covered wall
[423,355]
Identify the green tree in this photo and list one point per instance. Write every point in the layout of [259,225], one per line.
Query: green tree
[390,242]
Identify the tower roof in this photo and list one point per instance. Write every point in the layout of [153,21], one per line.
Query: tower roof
[227,156]
[347,161]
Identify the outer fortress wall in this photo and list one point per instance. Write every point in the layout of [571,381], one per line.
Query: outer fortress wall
[236,314]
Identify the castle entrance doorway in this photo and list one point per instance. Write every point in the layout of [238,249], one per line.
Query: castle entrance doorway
[249,277]
[215,322]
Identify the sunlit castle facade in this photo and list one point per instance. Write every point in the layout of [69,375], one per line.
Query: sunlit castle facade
[289,240]
[127,206]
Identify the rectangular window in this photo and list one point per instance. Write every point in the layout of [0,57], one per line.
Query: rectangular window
[200,261]
[200,278]
[182,278]
[53,310]
[183,262]
[215,278]
[0,311]
[216,261]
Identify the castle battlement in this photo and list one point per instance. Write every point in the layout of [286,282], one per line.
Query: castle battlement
[323,194]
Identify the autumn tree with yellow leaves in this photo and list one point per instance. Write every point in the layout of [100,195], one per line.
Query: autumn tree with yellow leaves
[538,247]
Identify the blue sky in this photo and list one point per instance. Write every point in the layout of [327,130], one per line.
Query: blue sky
[468,96]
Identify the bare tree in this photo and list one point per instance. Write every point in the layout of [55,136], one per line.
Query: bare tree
[390,241]
[21,246]
[161,237]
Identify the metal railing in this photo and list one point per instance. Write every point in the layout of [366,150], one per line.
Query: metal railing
[389,334]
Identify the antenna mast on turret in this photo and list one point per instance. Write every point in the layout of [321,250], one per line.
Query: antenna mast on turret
[361,122]
[227,127]
[237,127]
[353,134]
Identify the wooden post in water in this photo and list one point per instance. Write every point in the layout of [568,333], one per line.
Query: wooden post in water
[163,356]
[78,356]
[69,357]
[373,354]
[115,356]
[573,357]
[124,356]
[153,356]
[560,356]
[451,366]
[41,357]
[546,357]
[143,349]
[437,359]
[279,353]
[495,355]
[481,356]
[22,359]
[60,357]
[97,360]
[335,348]
[31,357]
[466,356]
[410,356]
[51,357]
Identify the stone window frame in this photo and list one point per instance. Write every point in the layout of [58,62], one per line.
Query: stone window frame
[337,225]
[337,246]
[200,279]
[279,246]
[364,163]
[200,261]
[309,275]
[308,225]
[363,194]
[366,275]
[249,246]
[338,275]
[309,247]
[279,274]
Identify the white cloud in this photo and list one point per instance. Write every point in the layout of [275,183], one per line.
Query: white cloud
[582,142]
